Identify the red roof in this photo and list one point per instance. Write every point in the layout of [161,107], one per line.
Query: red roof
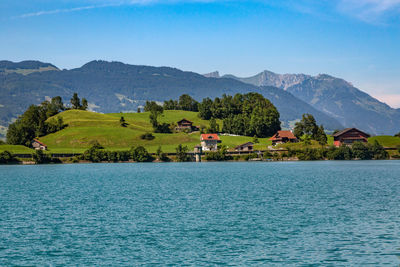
[283,134]
[209,137]
[37,141]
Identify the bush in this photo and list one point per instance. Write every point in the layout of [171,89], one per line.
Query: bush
[219,155]
[181,153]
[147,136]
[161,156]
[140,154]
[7,157]
[361,151]
[250,156]
[39,157]
[310,154]
[95,153]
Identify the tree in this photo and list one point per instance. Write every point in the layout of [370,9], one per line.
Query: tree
[361,151]
[7,157]
[397,135]
[321,136]
[161,155]
[75,101]
[84,105]
[186,102]
[214,127]
[378,151]
[140,154]
[181,153]
[122,122]
[39,157]
[307,126]
[205,112]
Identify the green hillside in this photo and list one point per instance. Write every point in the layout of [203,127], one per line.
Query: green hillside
[85,127]
[16,149]
[386,140]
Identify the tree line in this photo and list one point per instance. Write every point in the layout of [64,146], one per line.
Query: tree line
[243,114]
[34,121]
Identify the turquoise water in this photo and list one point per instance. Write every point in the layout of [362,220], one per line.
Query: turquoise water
[288,213]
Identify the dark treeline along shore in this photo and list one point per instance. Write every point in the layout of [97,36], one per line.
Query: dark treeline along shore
[249,118]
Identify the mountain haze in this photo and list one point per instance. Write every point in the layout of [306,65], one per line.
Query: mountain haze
[115,87]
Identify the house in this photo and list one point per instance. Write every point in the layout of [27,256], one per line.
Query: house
[282,137]
[348,136]
[209,142]
[245,147]
[185,124]
[36,144]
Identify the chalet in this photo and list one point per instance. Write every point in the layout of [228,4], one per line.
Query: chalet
[245,147]
[185,124]
[36,144]
[282,137]
[348,136]
[209,142]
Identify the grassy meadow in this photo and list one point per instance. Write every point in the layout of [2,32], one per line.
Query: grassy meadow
[84,127]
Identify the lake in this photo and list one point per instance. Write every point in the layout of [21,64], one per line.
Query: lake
[260,213]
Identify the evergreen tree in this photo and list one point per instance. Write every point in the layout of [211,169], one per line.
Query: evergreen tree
[75,101]
[321,136]
[84,105]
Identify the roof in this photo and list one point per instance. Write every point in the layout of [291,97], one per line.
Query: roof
[245,145]
[182,120]
[209,137]
[283,134]
[37,141]
[348,130]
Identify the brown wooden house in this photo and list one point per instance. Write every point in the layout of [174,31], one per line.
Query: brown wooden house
[348,136]
[282,137]
[245,147]
[185,124]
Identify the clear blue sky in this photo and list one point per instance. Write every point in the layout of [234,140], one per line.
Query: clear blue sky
[358,40]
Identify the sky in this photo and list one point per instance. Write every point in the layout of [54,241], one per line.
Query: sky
[357,40]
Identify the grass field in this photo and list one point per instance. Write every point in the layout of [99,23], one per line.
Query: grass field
[16,149]
[84,127]
[386,140]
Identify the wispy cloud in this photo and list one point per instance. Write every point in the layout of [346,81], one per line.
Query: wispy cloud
[369,10]
[105,4]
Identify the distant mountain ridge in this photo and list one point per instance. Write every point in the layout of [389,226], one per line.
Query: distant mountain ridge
[115,87]
[335,97]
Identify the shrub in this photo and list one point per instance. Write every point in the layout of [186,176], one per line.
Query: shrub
[39,157]
[147,136]
[361,151]
[7,157]
[250,156]
[310,154]
[161,156]
[95,153]
[378,151]
[140,154]
[181,153]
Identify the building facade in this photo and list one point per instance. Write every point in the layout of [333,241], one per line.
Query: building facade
[348,136]
[282,137]
[209,142]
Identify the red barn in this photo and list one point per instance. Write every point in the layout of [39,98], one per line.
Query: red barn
[348,136]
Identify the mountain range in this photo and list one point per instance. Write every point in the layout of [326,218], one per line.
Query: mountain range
[119,87]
